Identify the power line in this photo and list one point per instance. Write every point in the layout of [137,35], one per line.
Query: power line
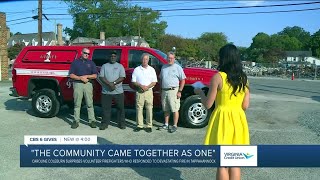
[33,10]
[238,7]
[221,14]
[62,8]
[152,1]
[19,19]
[61,18]
[240,13]
[19,12]
[20,22]
[207,14]
[204,8]
[193,5]
[169,5]
[65,8]
[202,5]
[34,21]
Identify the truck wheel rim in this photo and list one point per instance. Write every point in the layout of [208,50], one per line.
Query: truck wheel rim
[197,113]
[44,104]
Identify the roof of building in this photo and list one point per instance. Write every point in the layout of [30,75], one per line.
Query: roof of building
[19,38]
[111,40]
[80,40]
[126,39]
[30,36]
[298,53]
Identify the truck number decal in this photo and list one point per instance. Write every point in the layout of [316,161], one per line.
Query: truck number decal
[68,83]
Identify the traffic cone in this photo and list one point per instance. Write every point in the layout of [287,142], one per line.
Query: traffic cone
[292,77]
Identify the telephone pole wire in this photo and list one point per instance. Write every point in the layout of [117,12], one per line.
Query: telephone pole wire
[39,22]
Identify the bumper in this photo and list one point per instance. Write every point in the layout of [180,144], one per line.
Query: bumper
[14,92]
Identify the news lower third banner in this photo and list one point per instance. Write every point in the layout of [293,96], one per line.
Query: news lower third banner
[84,151]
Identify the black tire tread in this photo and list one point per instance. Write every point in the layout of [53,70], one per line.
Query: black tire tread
[184,115]
[55,103]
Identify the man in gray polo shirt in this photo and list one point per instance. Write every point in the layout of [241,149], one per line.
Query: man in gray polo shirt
[172,82]
[112,74]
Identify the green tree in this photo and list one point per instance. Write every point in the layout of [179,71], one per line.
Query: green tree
[315,44]
[210,44]
[273,55]
[255,55]
[190,49]
[285,42]
[259,46]
[261,41]
[243,53]
[185,48]
[168,41]
[14,50]
[270,49]
[299,33]
[115,18]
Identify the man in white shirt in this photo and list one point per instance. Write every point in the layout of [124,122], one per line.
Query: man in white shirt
[144,78]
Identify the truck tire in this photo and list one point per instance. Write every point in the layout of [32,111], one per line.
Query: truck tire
[194,114]
[45,103]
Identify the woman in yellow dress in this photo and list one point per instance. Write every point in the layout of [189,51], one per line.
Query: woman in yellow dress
[230,90]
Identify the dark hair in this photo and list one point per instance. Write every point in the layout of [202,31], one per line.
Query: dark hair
[114,52]
[230,63]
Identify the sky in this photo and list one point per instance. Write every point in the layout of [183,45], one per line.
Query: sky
[239,28]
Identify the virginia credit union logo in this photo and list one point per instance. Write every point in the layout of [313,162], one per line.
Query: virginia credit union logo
[238,156]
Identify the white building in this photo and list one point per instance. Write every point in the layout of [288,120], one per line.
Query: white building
[301,57]
[31,39]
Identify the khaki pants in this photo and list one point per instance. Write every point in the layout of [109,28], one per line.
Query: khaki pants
[169,100]
[80,90]
[145,98]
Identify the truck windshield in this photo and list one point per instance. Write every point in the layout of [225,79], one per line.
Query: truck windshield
[164,55]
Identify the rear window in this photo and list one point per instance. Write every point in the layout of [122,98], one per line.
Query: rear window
[54,56]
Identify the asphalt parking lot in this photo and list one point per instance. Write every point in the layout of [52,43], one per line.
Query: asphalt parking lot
[281,112]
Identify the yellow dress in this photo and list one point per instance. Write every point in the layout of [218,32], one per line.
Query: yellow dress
[228,123]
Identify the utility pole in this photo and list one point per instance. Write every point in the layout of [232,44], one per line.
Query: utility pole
[139,28]
[39,22]
[315,70]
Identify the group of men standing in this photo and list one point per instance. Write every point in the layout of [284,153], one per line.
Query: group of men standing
[144,78]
